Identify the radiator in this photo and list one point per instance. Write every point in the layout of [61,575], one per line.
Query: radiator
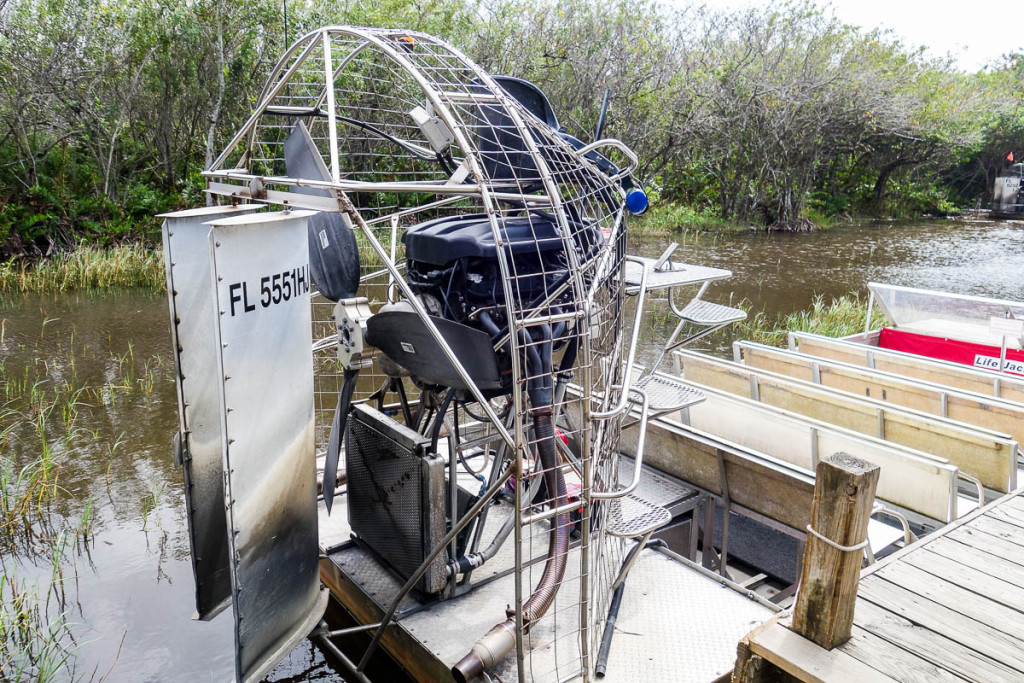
[396,494]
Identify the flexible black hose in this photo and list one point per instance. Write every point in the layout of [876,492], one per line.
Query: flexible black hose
[613,610]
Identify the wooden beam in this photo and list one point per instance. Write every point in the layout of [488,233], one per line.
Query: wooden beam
[844,493]
[806,661]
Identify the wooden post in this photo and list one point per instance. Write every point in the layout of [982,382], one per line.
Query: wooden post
[844,493]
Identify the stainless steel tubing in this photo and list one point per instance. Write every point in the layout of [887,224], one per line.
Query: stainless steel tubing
[500,640]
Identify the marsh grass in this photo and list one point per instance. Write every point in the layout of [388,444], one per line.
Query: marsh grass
[42,421]
[836,318]
[86,268]
[670,219]
[51,400]
[36,642]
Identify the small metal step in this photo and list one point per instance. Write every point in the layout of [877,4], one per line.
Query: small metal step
[630,516]
[702,312]
[664,394]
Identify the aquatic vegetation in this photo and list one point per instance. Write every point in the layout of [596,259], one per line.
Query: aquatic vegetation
[836,318]
[36,642]
[52,409]
[673,219]
[86,268]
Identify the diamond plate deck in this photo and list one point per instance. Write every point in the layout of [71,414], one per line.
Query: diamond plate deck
[676,624]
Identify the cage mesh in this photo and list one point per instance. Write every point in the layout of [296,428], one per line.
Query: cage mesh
[558,227]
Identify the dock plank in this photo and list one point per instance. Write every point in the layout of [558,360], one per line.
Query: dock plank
[1014,506]
[970,555]
[1005,529]
[992,586]
[809,662]
[944,592]
[940,651]
[893,660]
[1007,533]
[940,619]
[1015,503]
[1007,514]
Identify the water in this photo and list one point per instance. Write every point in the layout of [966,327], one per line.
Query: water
[129,588]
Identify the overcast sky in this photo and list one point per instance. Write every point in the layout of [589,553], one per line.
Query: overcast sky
[974,33]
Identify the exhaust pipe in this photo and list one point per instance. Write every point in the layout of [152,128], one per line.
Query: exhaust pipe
[499,641]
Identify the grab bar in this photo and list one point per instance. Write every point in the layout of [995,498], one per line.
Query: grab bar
[638,462]
[631,355]
[634,161]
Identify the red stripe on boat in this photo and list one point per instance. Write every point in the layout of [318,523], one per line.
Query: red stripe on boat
[967,353]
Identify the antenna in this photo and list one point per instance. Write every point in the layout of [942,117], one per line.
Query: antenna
[604,110]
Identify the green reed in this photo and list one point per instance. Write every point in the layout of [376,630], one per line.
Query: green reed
[86,268]
[838,317]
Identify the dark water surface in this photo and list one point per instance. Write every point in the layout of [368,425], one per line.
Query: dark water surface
[129,586]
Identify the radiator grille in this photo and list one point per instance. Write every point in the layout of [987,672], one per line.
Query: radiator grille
[396,502]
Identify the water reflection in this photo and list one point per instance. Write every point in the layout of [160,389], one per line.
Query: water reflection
[779,273]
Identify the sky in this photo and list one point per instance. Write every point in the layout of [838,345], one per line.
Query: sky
[974,33]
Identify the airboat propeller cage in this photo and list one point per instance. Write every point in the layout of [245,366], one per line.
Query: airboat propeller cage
[498,241]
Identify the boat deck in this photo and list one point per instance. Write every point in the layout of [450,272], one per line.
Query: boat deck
[947,609]
[678,621]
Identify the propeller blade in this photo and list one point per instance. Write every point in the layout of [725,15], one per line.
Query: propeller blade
[348,385]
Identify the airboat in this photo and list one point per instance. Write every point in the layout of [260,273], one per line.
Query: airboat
[1008,193]
[412,424]
[438,296]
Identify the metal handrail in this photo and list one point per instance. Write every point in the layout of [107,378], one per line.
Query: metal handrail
[638,462]
[634,161]
[631,355]
[977,483]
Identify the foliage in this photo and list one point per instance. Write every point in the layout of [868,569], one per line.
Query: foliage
[667,217]
[108,111]
[837,318]
[85,268]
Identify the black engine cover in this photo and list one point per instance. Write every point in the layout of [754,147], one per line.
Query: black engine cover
[443,240]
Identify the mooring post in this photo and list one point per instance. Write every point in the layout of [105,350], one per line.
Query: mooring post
[844,493]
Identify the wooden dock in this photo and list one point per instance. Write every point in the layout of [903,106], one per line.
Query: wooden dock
[949,608]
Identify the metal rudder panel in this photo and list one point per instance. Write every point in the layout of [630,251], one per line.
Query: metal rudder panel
[261,269]
[199,443]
